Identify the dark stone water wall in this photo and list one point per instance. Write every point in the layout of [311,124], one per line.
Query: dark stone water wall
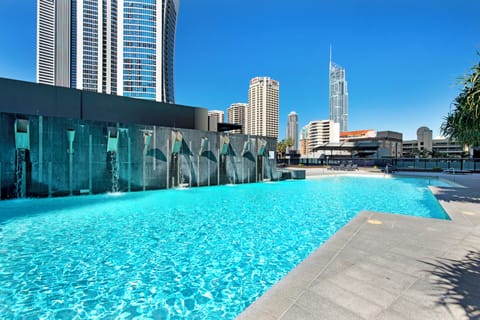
[110,156]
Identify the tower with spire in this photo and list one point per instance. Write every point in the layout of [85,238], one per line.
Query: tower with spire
[338,94]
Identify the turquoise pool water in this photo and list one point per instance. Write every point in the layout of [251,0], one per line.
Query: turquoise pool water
[172,254]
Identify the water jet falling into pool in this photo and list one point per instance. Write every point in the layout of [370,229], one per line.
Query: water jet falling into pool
[262,144]
[177,141]
[223,152]
[112,150]
[203,148]
[22,147]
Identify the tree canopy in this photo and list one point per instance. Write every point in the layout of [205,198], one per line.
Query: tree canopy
[284,144]
[463,123]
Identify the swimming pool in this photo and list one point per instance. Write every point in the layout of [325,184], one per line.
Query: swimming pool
[191,253]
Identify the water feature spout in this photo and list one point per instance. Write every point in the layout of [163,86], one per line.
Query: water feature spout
[203,146]
[22,134]
[246,148]
[112,142]
[262,144]
[147,140]
[225,144]
[177,139]
[70,139]
[245,151]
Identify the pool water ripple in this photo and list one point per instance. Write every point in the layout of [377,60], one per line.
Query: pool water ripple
[195,254]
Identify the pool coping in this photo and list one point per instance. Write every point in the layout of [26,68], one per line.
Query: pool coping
[387,266]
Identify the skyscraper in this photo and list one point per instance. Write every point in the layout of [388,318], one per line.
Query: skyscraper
[292,129]
[262,113]
[338,95]
[123,47]
[317,133]
[214,118]
[237,113]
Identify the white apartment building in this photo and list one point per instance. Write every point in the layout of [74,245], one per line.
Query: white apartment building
[263,107]
[214,118]
[318,133]
[237,114]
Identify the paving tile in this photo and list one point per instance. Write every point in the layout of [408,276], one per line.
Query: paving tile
[390,315]
[346,298]
[370,244]
[276,302]
[337,266]
[425,294]
[324,308]
[401,263]
[297,313]
[289,288]
[385,278]
[255,314]
[364,289]
[417,251]
[413,311]
[473,240]
[323,255]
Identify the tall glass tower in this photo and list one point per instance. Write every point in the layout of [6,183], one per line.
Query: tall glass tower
[123,47]
[338,95]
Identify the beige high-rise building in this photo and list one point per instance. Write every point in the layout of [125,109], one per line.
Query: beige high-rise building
[317,133]
[237,114]
[262,113]
[214,118]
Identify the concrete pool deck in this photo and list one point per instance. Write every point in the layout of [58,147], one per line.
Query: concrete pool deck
[387,266]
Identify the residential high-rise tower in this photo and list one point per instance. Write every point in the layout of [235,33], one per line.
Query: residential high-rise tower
[292,129]
[338,95]
[214,118]
[237,114]
[317,133]
[262,113]
[123,47]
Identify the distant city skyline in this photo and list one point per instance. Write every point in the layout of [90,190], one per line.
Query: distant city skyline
[403,58]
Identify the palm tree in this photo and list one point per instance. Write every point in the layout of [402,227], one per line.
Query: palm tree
[463,123]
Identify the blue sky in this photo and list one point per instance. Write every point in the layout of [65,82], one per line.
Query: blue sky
[403,58]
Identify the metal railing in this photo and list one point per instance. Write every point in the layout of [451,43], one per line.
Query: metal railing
[434,164]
